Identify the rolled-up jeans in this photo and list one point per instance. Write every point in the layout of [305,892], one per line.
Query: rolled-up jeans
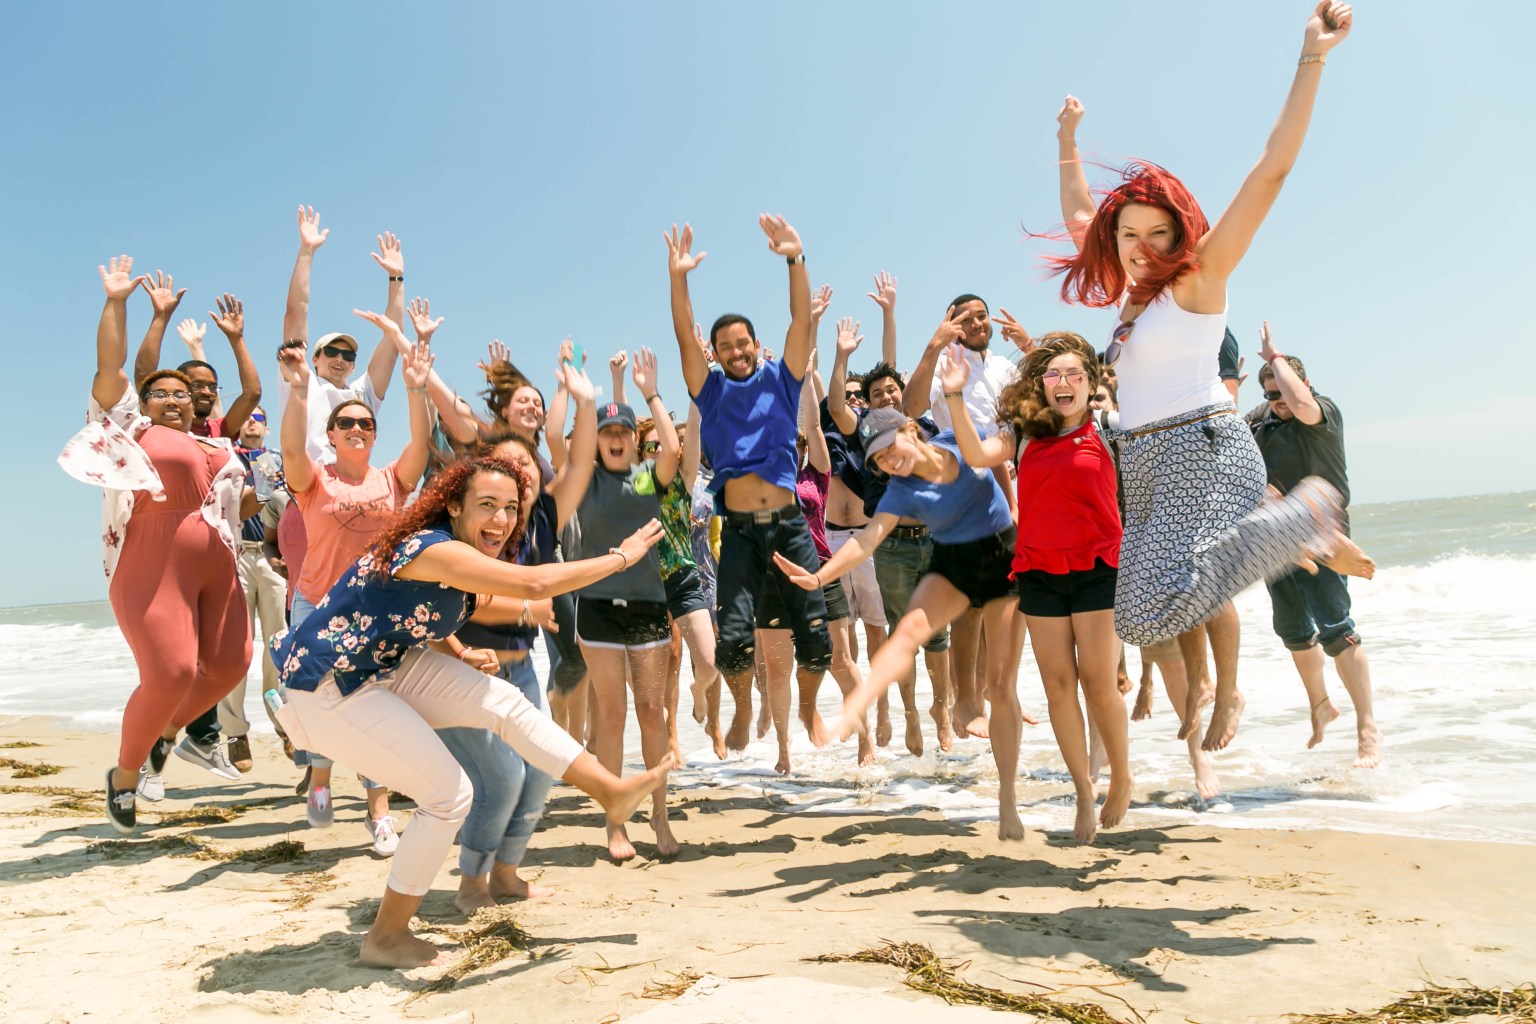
[386,729]
[509,792]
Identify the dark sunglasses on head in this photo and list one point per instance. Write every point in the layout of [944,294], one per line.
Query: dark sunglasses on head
[650,447]
[1273,396]
[332,351]
[1117,339]
[360,422]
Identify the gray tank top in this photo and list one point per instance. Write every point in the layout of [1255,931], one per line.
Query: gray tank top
[616,505]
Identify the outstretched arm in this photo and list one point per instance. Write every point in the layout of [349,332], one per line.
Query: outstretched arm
[885,296]
[463,568]
[848,341]
[1077,206]
[916,398]
[230,319]
[110,382]
[976,452]
[381,365]
[680,262]
[163,298]
[554,417]
[810,422]
[785,241]
[1298,395]
[692,447]
[1224,245]
[296,313]
[862,547]
[570,487]
[617,364]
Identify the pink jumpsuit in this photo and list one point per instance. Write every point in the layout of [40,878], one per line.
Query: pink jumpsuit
[177,598]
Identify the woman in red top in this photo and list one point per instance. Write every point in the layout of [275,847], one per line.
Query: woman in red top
[1067,552]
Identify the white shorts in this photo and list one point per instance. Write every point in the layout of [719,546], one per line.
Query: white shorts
[864,604]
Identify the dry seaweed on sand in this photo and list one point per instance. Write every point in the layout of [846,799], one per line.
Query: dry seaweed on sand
[29,769]
[262,856]
[1440,1003]
[209,814]
[175,846]
[68,802]
[927,973]
[19,745]
[490,937]
[681,982]
[307,885]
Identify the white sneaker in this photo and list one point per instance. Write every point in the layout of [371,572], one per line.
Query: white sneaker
[151,785]
[212,758]
[385,839]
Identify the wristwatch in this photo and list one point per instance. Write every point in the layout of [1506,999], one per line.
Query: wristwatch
[792,260]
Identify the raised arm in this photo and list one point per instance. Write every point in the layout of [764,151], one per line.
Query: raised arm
[885,297]
[418,367]
[293,435]
[1014,331]
[296,312]
[230,319]
[163,299]
[810,420]
[785,241]
[570,487]
[381,365]
[1222,248]
[1077,206]
[977,453]
[1298,395]
[554,417]
[680,262]
[692,447]
[454,414]
[110,382]
[669,451]
[916,398]
[848,341]
[617,363]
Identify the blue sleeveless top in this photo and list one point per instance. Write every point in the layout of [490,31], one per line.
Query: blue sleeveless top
[364,626]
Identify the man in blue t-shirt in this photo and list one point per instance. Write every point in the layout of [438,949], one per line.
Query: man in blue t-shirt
[748,426]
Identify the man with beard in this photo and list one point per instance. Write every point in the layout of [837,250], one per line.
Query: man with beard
[749,422]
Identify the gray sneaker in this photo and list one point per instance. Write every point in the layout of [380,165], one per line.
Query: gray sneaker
[212,758]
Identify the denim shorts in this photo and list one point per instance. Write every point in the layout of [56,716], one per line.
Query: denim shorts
[685,593]
[899,563]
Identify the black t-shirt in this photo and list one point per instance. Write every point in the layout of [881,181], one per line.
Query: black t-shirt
[1293,449]
[1226,359]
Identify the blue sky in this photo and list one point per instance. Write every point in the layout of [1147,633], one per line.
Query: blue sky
[530,160]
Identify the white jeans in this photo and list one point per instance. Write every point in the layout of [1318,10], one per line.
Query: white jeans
[266,594]
[385,730]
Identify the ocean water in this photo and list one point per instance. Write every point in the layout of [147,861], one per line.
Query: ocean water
[1449,624]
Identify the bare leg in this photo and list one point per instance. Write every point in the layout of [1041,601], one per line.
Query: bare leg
[846,671]
[964,692]
[1225,630]
[647,677]
[1309,665]
[1056,655]
[1356,674]
[1192,649]
[390,942]
[760,664]
[1098,651]
[1144,692]
[699,635]
[740,733]
[609,668]
[883,731]
[778,651]
[671,695]
[1171,664]
[1001,679]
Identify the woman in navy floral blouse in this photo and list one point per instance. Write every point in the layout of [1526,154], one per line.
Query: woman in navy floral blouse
[365,688]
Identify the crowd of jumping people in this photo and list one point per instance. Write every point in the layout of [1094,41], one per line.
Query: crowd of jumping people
[1082,499]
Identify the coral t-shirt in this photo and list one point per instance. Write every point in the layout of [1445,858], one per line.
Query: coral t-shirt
[340,521]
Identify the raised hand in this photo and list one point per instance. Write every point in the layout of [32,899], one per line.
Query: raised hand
[848,336]
[821,298]
[642,540]
[389,256]
[496,353]
[954,371]
[949,331]
[680,258]
[1013,330]
[416,363]
[782,239]
[230,318]
[574,378]
[389,327]
[644,372]
[1328,26]
[421,319]
[1069,116]
[191,333]
[291,358]
[163,295]
[617,363]
[885,291]
[117,278]
[310,235]
[698,336]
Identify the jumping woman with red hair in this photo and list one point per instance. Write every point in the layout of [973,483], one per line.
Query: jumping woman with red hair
[1195,530]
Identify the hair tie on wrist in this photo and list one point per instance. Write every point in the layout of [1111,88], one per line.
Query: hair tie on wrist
[622,556]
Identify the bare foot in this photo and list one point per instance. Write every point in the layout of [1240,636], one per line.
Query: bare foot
[783,766]
[619,846]
[914,734]
[764,718]
[716,738]
[1098,757]
[1201,692]
[1348,559]
[866,750]
[403,951]
[941,720]
[814,726]
[741,731]
[700,699]
[1369,753]
[1009,827]
[666,843]
[883,730]
[628,794]
[506,883]
[1206,782]
[1224,719]
[1116,801]
[1087,824]
[1323,713]
[473,895]
[1143,709]
[974,717]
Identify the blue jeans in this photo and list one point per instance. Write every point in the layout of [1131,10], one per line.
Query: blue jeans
[1311,610]
[509,792]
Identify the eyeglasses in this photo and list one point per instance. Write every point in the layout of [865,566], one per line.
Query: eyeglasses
[202,388]
[360,422]
[175,396]
[332,351]
[1050,377]
[650,447]
[1117,339]
[1273,396]
[259,417]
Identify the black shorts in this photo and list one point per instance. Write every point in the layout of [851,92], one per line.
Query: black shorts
[633,624]
[685,593]
[978,568]
[1056,595]
[837,600]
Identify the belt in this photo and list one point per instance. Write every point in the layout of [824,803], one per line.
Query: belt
[1182,423]
[763,516]
[910,532]
[839,526]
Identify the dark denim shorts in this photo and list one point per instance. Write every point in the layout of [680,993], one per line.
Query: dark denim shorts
[1311,610]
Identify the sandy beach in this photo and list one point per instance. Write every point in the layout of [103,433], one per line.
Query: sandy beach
[1166,923]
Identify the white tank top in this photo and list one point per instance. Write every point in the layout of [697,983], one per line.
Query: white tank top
[1170,364]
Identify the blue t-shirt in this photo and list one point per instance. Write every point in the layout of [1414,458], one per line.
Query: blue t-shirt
[874,481]
[750,426]
[971,508]
[365,626]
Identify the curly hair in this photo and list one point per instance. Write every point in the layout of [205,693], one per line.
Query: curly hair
[154,375]
[1023,403]
[1095,276]
[430,509]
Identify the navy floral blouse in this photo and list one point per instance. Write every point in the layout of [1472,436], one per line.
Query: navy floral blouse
[364,626]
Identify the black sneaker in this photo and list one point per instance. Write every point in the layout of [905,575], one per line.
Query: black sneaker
[158,755]
[122,808]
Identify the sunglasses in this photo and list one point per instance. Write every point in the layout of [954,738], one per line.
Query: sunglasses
[259,417]
[1117,339]
[332,351]
[650,447]
[175,396]
[1050,377]
[1273,396]
[349,422]
[198,387]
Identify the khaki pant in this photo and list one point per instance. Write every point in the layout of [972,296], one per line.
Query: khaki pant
[266,596]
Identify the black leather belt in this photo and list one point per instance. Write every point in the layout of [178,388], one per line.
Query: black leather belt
[763,516]
[910,532]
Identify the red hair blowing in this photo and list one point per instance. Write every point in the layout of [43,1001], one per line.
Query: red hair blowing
[1095,277]
[430,509]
